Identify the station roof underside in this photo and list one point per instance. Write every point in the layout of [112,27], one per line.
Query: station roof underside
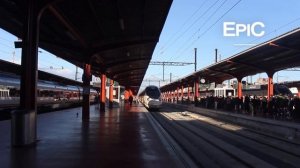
[274,55]
[116,37]
[12,68]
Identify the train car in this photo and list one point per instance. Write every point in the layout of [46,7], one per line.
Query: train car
[48,92]
[257,90]
[224,92]
[151,98]
[262,90]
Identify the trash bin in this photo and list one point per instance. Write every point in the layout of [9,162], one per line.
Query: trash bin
[23,127]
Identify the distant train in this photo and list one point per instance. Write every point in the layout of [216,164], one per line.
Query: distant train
[151,98]
[257,90]
[48,92]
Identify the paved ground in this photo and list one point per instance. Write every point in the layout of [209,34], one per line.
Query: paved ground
[122,137]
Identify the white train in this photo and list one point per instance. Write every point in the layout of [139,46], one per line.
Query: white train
[151,97]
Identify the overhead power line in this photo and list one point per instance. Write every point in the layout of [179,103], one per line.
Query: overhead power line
[182,26]
[186,30]
[200,27]
[164,63]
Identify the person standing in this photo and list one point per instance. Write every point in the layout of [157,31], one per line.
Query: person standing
[130,100]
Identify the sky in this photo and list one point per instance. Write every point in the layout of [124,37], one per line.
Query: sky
[193,24]
[199,24]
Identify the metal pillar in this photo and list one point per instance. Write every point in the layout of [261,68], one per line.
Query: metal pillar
[188,92]
[216,56]
[103,93]
[172,95]
[87,77]
[239,89]
[270,85]
[163,71]
[196,93]
[111,92]
[182,94]
[177,95]
[195,59]
[23,123]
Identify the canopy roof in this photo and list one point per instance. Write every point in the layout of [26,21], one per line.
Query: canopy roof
[116,37]
[274,55]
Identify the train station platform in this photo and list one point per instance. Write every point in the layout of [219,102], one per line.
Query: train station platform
[121,137]
[279,128]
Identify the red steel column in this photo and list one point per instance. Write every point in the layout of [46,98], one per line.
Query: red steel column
[177,95]
[23,131]
[87,76]
[239,89]
[103,92]
[181,93]
[188,92]
[111,92]
[196,93]
[270,86]
[196,89]
[270,89]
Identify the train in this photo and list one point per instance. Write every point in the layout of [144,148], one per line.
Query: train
[253,90]
[151,97]
[48,92]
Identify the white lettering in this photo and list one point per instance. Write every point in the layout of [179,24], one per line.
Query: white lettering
[226,28]
[253,29]
[239,29]
[232,29]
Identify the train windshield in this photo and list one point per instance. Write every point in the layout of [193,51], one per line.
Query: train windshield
[153,92]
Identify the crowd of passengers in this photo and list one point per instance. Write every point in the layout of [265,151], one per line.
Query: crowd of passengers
[280,106]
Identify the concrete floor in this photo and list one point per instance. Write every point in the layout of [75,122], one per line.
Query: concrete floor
[121,137]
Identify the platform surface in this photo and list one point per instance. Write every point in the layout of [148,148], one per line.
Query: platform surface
[121,137]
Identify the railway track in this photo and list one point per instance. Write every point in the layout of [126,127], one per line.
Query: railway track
[212,143]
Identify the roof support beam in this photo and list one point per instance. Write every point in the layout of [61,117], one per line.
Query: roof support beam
[227,73]
[123,44]
[117,63]
[284,47]
[125,71]
[68,25]
[248,65]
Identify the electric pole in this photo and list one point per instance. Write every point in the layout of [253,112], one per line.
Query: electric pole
[216,57]
[195,59]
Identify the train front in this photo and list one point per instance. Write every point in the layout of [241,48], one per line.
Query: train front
[153,97]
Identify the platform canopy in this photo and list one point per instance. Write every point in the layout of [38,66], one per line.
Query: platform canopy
[274,55]
[15,69]
[116,37]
